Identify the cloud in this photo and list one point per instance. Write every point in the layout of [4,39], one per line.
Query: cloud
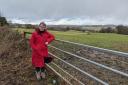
[64,10]
[73,21]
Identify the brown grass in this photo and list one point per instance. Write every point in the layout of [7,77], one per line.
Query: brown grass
[15,61]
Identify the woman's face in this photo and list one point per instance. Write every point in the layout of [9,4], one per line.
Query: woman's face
[42,27]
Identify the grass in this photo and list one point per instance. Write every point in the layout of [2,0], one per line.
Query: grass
[104,40]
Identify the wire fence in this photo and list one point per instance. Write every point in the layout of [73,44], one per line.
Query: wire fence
[100,81]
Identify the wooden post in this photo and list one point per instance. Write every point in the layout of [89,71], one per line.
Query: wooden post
[23,34]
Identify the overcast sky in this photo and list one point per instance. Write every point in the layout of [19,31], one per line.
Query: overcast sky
[67,11]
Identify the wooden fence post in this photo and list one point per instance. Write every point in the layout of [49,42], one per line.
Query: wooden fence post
[23,34]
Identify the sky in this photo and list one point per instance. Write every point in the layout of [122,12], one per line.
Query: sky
[76,12]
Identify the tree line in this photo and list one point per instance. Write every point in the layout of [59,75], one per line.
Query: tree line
[120,29]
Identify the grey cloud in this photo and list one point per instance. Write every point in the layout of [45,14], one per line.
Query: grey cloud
[57,9]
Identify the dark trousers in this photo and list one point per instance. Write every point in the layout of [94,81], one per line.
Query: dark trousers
[41,69]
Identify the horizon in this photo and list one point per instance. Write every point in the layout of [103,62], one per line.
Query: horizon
[65,21]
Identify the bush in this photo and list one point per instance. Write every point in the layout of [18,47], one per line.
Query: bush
[122,29]
[29,26]
[107,30]
[3,21]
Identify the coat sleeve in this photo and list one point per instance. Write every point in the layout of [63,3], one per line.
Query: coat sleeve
[51,37]
[32,42]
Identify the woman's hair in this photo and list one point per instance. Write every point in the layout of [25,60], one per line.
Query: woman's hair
[38,31]
[42,23]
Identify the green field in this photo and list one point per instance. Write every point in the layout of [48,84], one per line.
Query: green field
[104,40]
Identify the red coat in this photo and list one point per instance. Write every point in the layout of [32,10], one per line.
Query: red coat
[39,49]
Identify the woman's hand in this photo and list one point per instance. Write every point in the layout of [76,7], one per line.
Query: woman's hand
[46,43]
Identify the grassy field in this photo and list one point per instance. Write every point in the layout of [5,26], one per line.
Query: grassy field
[104,40]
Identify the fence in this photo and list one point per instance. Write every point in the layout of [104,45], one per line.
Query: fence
[120,56]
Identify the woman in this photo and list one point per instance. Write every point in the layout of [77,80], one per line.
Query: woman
[38,42]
